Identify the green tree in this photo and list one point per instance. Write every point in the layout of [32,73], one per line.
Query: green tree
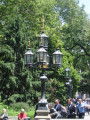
[76,30]
[14,76]
[21,25]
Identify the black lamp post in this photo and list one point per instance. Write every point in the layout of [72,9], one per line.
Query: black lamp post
[43,60]
[67,73]
[69,83]
[70,87]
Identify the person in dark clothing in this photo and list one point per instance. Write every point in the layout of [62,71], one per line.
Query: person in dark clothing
[71,109]
[57,105]
[4,115]
[37,105]
[52,111]
[61,111]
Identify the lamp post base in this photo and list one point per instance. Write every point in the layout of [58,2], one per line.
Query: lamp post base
[42,111]
[42,115]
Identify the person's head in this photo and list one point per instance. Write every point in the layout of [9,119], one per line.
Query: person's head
[4,110]
[39,98]
[22,110]
[80,101]
[57,101]
[69,101]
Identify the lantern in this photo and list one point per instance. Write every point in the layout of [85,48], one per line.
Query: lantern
[57,58]
[44,38]
[42,55]
[67,73]
[28,57]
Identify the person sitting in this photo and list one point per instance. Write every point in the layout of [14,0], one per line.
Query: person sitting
[61,111]
[23,115]
[4,115]
[52,111]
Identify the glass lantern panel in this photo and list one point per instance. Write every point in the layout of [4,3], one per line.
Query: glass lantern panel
[48,59]
[54,56]
[42,41]
[61,59]
[45,57]
[28,58]
[45,41]
[57,59]
[41,56]
[32,59]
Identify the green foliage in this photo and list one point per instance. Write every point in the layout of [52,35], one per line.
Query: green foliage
[76,30]
[19,105]
[85,82]
[14,110]
[19,83]
[15,98]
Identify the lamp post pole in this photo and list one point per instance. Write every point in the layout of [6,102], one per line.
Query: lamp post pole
[43,79]
[70,87]
[69,83]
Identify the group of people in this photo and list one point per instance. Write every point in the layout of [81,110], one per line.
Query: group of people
[57,110]
[73,110]
[21,116]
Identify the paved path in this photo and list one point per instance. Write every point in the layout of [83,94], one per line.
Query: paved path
[87,117]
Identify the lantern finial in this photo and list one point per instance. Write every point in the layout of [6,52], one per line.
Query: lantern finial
[42,20]
[57,43]
[28,44]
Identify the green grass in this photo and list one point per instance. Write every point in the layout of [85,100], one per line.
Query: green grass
[13,112]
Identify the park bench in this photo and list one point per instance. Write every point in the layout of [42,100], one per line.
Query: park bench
[13,118]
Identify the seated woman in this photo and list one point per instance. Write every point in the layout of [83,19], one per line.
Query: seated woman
[4,115]
[23,115]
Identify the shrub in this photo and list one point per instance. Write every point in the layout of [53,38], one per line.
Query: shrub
[19,105]
[14,98]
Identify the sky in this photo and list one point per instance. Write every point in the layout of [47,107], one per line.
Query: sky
[87,5]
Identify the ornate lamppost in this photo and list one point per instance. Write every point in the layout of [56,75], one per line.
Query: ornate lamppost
[69,83]
[67,73]
[43,64]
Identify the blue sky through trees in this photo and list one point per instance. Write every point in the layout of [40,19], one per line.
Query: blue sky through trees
[87,5]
